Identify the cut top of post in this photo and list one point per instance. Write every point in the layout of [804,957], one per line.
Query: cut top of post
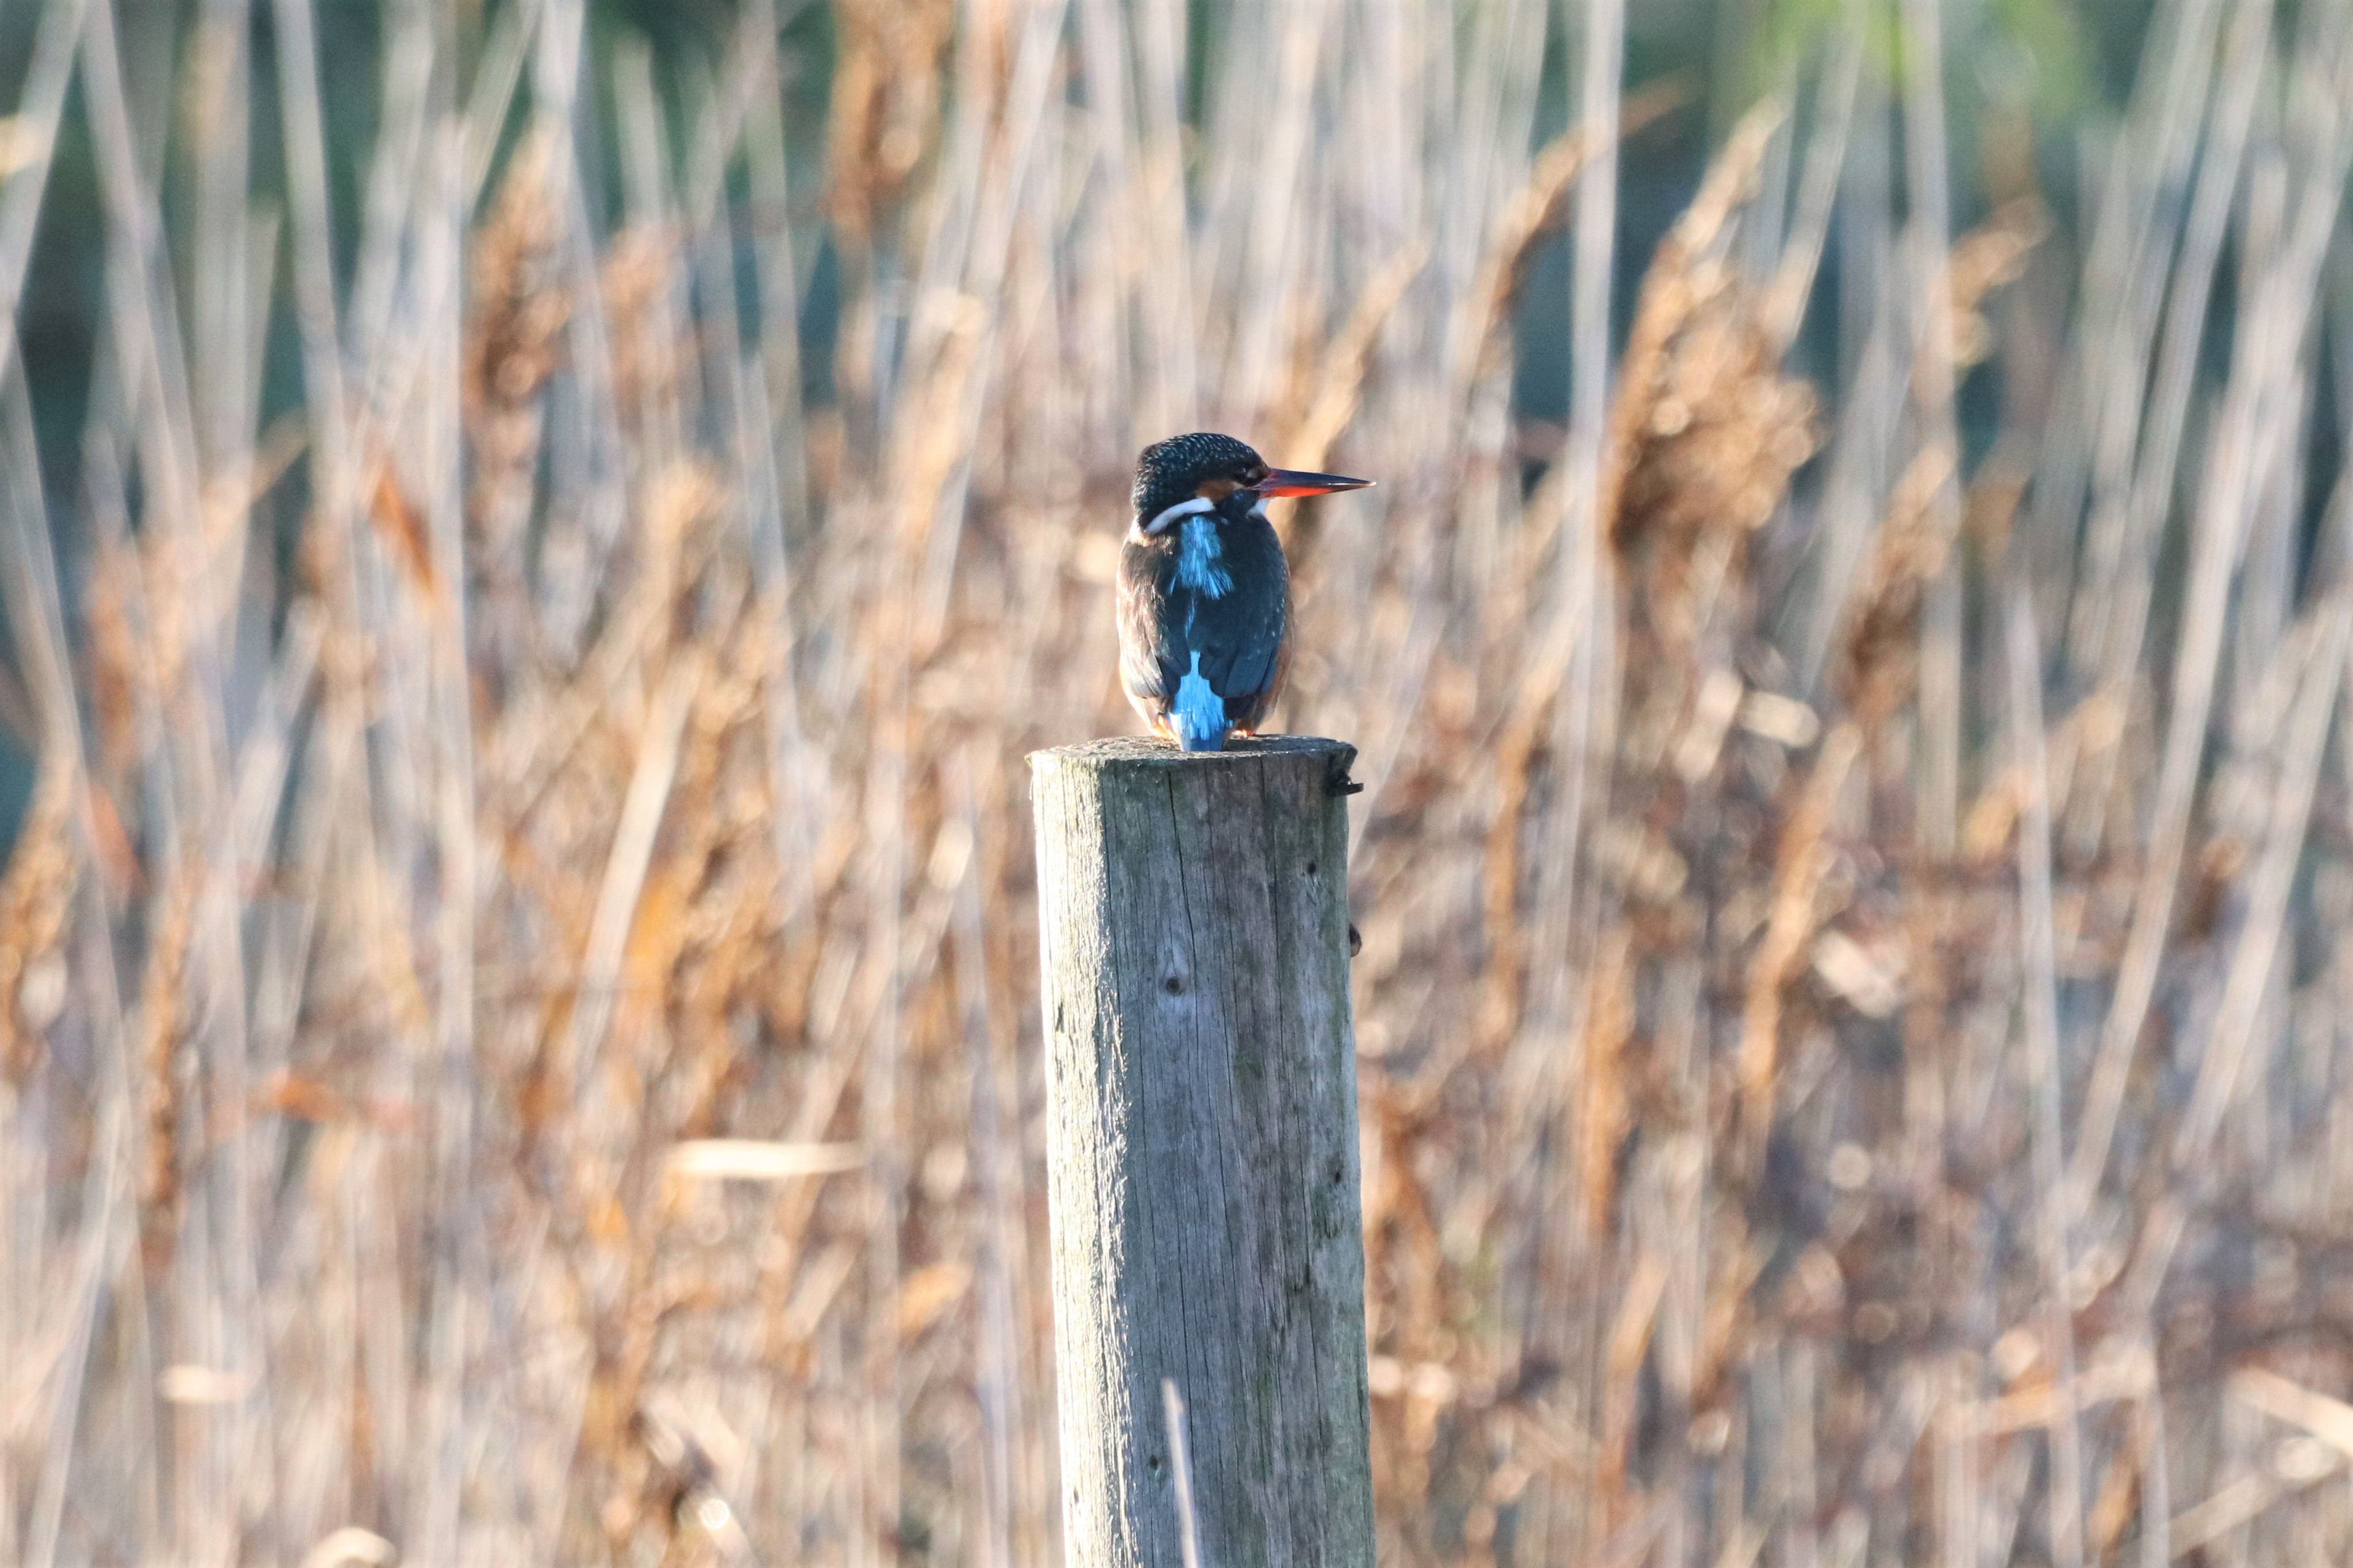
[1151,750]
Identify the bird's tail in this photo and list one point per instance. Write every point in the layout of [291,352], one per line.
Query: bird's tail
[1197,718]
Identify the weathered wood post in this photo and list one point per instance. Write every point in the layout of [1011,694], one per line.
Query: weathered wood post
[1201,1148]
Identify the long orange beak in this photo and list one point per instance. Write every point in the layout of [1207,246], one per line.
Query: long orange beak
[1290,482]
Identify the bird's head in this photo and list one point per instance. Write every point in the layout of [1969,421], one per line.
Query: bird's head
[1187,475]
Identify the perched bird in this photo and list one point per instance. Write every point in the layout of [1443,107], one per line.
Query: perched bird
[1204,592]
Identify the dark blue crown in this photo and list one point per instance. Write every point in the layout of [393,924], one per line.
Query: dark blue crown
[1175,470]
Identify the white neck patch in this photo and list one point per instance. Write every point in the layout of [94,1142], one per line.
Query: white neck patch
[1201,559]
[1161,524]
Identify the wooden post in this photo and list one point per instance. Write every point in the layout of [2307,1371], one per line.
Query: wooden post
[1201,1150]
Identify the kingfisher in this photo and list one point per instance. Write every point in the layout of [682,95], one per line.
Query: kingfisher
[1204,591]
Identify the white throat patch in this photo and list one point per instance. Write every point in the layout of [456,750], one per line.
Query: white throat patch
[1201,559]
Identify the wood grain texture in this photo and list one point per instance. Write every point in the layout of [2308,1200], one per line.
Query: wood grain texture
[1201,1145]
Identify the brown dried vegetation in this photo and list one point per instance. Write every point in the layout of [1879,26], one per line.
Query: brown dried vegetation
[517,985]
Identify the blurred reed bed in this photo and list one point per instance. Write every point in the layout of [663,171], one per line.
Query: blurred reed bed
[517,994]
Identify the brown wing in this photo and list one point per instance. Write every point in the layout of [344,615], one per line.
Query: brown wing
[1145,671]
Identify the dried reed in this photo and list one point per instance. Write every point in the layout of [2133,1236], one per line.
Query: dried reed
[516,979]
